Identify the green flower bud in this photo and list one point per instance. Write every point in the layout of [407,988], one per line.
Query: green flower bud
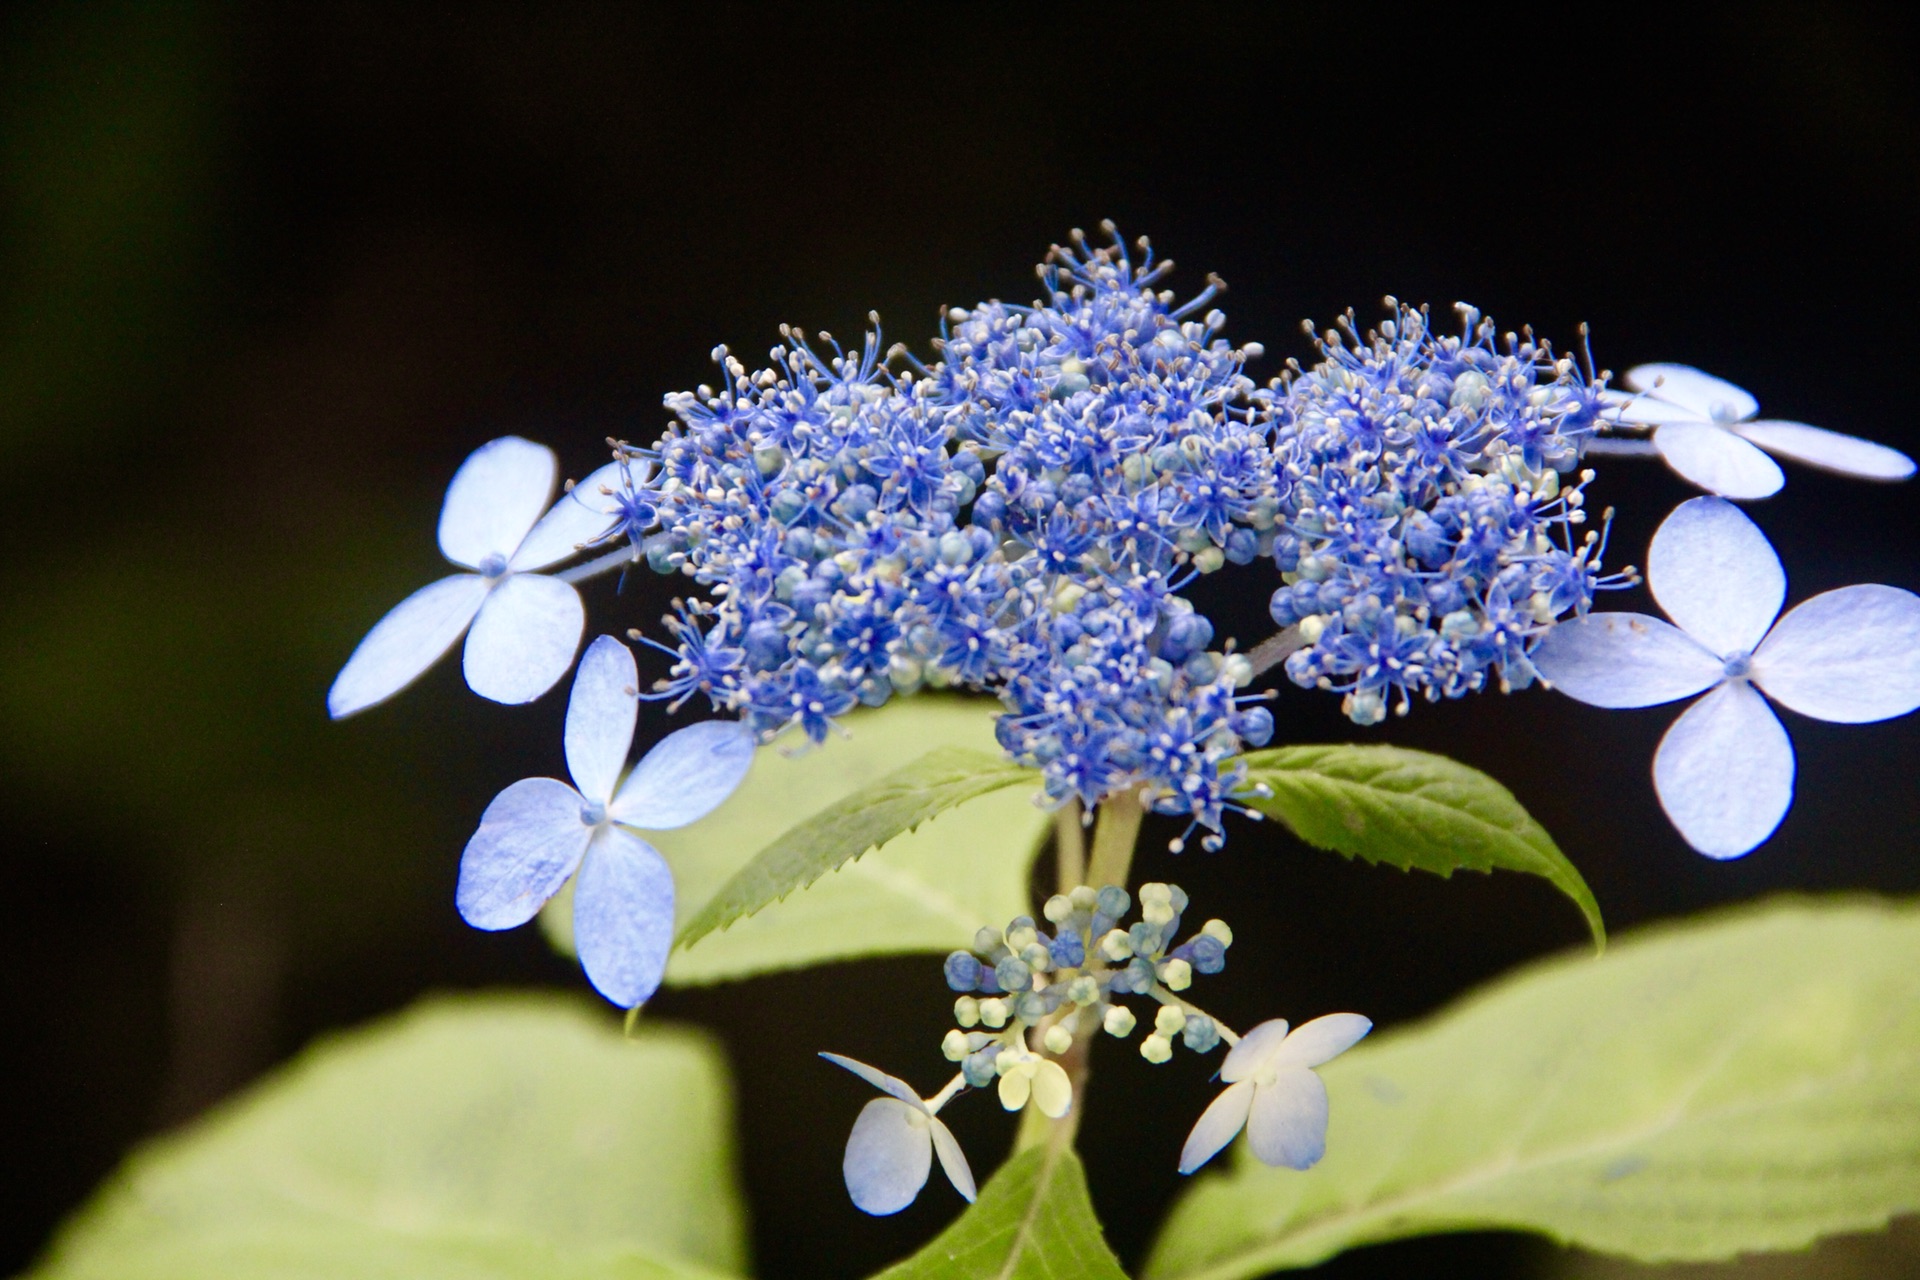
[1156,1049]
[966,1011]
[1169,1020]
[1119,1021]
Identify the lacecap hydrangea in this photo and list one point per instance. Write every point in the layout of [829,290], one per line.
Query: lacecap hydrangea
[1020,516]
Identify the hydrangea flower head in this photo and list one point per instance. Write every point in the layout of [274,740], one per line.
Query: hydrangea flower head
[1724,771]
[525,626]
[890,1151]
[1273,1093]
[1705,428]
[539,831]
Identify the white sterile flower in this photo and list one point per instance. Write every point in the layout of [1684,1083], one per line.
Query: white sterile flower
[890,1151]
[525,625]
[539,830]
[1026,1077]
[1273,1093]
[1705,429]
[1724,771]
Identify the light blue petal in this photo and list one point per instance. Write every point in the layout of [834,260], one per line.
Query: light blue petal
[952,1160]
[1288,1124]
[495,497]
[524,639]
[1322,1040]
[600,717]
[1624,660]
[623,916]
[1245,1059]
[1218,1125]
[1717,460]
[1725,772]
[585,513]
[1712,399]
[1715,574]
[889,1154]
[1644,410]
[1828,450]
[402,645]
[878,1079]
[530,840]
[686,776]
[1849,656]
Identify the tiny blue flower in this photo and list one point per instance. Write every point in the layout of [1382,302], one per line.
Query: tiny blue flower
[539,831]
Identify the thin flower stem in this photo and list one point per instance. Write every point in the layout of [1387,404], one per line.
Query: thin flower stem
[1113,840]
[1275,649]
[1615,447]
[945,1096]
[1165,996]
[1070,846]
[595,567]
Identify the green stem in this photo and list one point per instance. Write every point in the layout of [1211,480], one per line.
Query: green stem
[1113,840]
[1070,846]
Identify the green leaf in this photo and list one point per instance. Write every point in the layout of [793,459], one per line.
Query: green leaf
[481,1137]
[923,892]
[1412,809]
[1745,1083]
[1033,1221]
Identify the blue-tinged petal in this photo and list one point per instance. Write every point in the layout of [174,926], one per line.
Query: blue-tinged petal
[1715,574]
[889,1154]
[1713,399]
[686,776]
[952,1160]
[1828,450]
[1849,656]
[585,513]
[1645,411]
[623,916]
[524,639]
[1218,1125]
[1322,1040]
[600,717]
[402,645]
[1624,660]
[1717,460]
[1725,771]
[879,1079]
[530,840]
[1255,1048]
[495,497]
[1287,1126]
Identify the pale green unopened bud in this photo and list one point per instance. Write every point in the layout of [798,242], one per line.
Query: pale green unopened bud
[1115,946]
[1059,907]
[1156,1049]
[1022,938]
[1312,627]
[1058,1039]
[1038,958]
[1218,930]
[1170,1020]
[1084,897]
[993,1013]
[1119,1021]
[954,1047]
[1238,669]
[1177,974]
[1210,560]
[966,1011]
[1083,990]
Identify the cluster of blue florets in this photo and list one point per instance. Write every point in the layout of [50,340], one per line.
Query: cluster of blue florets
[1427,521]
[1020,516]
[1020,977]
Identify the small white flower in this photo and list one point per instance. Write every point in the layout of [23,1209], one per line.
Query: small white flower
[539,831]
[1705,429]
[1026,1077]
[1273,1093]
[890,1151]
[525,625]
[1724,771]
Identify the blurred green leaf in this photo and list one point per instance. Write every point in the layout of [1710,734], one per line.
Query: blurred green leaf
[496,1137]
[1033,1221]
[927,891]
[1412,809]
[1745,1083]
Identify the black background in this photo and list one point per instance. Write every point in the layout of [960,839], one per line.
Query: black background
[268,273]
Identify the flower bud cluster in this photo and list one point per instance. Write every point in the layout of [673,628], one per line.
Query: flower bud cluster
[1429,507]
[1067,983]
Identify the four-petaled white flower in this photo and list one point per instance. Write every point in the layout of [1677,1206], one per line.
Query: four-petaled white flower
[539,830]
[525,625]
[890,1151]
[1724,771]
[1705,429]
[1026,1077]
[1273,1093]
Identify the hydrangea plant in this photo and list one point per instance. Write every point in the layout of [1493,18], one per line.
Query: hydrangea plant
[1018,512]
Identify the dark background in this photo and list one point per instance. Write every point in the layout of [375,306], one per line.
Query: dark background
[268,273]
